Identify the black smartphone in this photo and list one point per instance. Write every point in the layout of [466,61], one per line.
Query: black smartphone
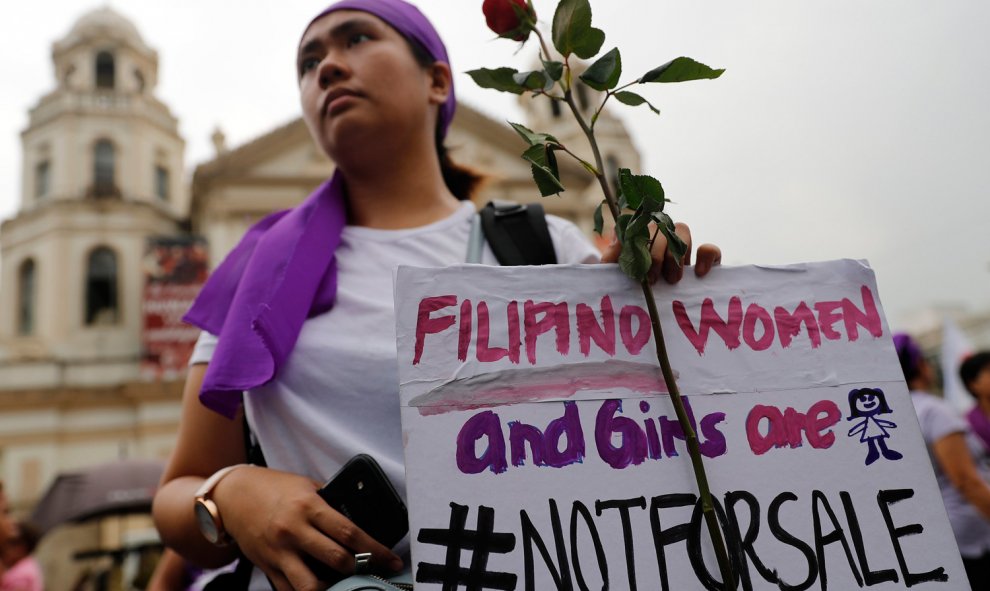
[362,492]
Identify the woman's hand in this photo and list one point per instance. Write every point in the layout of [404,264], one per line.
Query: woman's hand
[664,263]
[278,519]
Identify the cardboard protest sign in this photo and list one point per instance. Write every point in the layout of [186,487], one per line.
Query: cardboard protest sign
[542,451]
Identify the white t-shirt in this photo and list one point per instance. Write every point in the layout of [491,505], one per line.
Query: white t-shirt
[337,394]
[938,420]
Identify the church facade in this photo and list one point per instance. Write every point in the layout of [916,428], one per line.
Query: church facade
[102,179]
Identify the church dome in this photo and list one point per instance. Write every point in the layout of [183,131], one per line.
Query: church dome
[104,23]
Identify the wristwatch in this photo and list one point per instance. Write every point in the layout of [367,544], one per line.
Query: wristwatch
[207,513]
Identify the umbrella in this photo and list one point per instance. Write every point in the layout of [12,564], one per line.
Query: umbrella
[113,488]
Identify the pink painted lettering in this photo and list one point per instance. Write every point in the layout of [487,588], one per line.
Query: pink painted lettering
[464,331]
[590,330]
[757,313]
[485,352]
[426,325]
[790,428]
[635,342]
[552,316]
[868,318]
[728,330]
[789,325]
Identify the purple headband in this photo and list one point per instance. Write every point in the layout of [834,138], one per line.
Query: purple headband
[283,270]
[909,354]
[412,24]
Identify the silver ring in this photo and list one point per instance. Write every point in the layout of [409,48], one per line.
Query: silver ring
[362,563]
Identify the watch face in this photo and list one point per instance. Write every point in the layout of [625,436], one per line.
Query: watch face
[207,521]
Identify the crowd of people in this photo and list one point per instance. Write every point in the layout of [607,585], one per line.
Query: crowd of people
[959,448]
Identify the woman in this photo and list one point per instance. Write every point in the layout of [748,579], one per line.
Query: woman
[952,448]
[310,332]
[975,375]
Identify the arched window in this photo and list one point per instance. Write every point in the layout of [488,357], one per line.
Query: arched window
[555,109]
[42,178]
[103,168]
[161,182]
[105,70]
[101,287]
[25,298]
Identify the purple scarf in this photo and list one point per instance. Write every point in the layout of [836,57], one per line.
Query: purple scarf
[283,270]
[980,425]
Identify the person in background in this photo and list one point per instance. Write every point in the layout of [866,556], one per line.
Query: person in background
[22,570]
[975,375]
[8,527]
[954,452]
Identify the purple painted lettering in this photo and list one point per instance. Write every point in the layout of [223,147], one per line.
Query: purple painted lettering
[484,425]
[631,447]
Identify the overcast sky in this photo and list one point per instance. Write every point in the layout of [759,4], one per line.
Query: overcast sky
[849,128]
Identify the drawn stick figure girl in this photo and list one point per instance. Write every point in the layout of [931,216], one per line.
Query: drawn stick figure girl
[866,404]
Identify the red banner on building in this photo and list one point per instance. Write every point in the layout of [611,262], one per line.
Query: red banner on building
[175,269]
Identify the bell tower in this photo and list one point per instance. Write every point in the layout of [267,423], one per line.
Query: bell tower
[102,172]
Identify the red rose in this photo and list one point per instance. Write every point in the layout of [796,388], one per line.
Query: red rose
[509,18]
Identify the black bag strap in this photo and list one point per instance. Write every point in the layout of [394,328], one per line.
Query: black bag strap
[252,447]
[518,234]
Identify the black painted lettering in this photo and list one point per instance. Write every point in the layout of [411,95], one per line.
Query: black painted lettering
[886,498]
[694,546]
[580,509]
[820,502]
[746,540]
[871,577]
[623,505]
[561,573]
[671,535]
[778,531]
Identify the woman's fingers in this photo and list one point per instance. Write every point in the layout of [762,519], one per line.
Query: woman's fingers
[612,251]
[297,576]
[709,256]
[342,541]
[664,264]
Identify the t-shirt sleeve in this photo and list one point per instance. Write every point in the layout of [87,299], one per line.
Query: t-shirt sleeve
[937,420]
[570,243]
[206,344]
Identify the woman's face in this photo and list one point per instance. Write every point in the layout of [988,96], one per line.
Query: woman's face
[981,385]
[359,83]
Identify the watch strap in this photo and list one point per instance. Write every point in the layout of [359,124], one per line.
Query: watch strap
[210,483]
[216,534]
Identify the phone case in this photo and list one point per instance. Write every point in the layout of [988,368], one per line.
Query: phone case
[362,492]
